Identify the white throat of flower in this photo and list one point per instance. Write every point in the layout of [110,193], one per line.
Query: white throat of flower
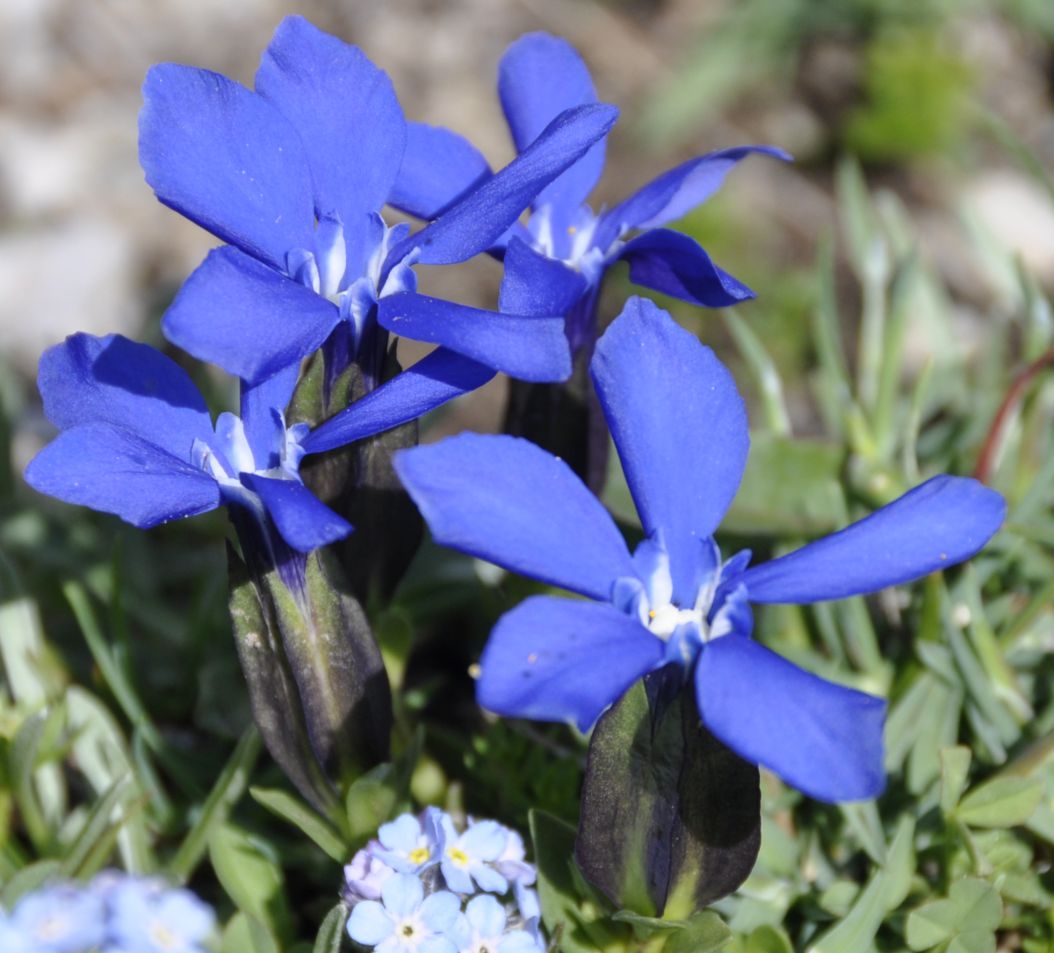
[325,270]
[575,247]
[235,455]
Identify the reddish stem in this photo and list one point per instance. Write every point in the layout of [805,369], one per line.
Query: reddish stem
[1014,396]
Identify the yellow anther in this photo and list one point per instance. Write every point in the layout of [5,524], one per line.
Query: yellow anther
[457,855]
[419,855]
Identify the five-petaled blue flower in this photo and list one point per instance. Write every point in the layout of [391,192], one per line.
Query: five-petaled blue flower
[293,176]
[137,440]
[405,920]
[680,429]
[554,264]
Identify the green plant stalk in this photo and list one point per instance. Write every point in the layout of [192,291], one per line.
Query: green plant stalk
[773,405]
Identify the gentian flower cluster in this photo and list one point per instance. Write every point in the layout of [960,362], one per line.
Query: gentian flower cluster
[115,913]
[680,429]
[422,885]
[556,261]
[301,303]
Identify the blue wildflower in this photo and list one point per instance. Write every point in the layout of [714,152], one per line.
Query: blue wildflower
[472,855]
[482,928]
[365,874]
[405,921]
[147,917]
[555,263]
[57,919]
[293,176]
[137,440]
[680,430]
[411,844]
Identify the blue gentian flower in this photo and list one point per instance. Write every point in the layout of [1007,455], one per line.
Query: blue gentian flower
[293,176]
[147,917]
[482,929]
[137,440]
[406,921]
[555,263]
[680,429]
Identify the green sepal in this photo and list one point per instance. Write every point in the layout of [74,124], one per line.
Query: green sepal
[273,693]
[338,669]
[671,818]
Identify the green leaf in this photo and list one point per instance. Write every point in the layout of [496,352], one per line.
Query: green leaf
[331,933]
[571,922]
[97,824]
[885,891]
[1001,802]
[969,915]
[377,796]
[27,880]
[303,818]
[246,934]
[251,876]
[706,932]
[670,818]
[229,787]
[955,765]
[790,488]
[766,939]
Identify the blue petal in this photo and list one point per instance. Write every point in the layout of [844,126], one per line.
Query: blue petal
[259,402]
[475,223]
[676,192]
[432,381]
[677,265]
[531,348]
[824,739]
[439,911]
[535,284]
[116,471]
[439,168]
[486,915]
[369,923]
[555,659]
[539,77]
[402,894]
[936,525]
[507,501]
[345,110]
[112,380]
[226,159]
[303,520]
[247,318]
[680,428]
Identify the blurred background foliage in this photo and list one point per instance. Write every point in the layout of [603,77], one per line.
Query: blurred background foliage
[903,267]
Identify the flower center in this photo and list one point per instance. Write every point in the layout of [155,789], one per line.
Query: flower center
[348,268]
[664,620]
[419,855]
[163,936]
[458,856]
[570,242]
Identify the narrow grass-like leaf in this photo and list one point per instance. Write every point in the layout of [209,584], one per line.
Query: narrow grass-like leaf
[310,823]
[955,765]
[331,933]
[229,787]
[101,818]
[758,359]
